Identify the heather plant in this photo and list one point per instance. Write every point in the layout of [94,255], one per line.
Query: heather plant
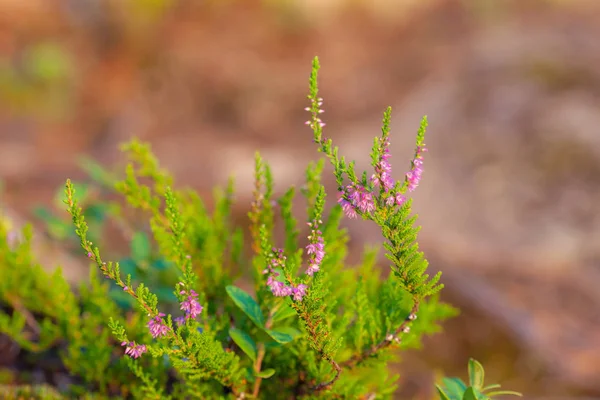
[277,313]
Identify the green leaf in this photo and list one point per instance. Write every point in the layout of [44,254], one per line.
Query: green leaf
[140,247]
[247,304]
[476,374]
[504,392]
[273,345]
[289,330]
[244,342]
[284,311]
[267,373]
[469,394]
[473,394]
[279,337]
[489,387]
[455,388]
[443,395]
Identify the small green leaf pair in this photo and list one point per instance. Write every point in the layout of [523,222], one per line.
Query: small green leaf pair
[252,310]
[456,389]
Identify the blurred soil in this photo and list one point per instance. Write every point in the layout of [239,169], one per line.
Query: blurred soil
[509,199]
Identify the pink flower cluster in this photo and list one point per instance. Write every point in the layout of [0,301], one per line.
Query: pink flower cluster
[190,305]
[383,169]
[316,248]
[414,175]
[157,326]
[356,197]
[134,350]
[278,288]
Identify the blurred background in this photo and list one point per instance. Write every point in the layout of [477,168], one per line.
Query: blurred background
[509,199]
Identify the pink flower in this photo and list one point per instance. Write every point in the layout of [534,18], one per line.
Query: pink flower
[359,198]
[190,305]
[383,168]
[400,199]
[134,350]
[299,292]
[157,326]
[346,206]
[278,288]
[315,249]
[413,177]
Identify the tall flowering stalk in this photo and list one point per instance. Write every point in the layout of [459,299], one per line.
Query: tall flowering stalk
[388,208]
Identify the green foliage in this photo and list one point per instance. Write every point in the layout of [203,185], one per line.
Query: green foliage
[456,389]
[194,304]
[41,392]
[47,314]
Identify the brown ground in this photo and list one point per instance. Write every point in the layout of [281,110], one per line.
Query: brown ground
[509,198]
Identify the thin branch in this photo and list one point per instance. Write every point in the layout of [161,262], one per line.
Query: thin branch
[396,336]
[327,385]
[261,354]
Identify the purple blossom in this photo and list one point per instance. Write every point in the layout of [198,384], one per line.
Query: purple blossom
[280,289]
[134,350]
[390,200]
[414,175]
[346,206]
[315,248]
[190,305]
[299,292]
[157,326]
[400,199]
[180,321]
[276,260]
[366,203]
[357,198]
[383,168]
